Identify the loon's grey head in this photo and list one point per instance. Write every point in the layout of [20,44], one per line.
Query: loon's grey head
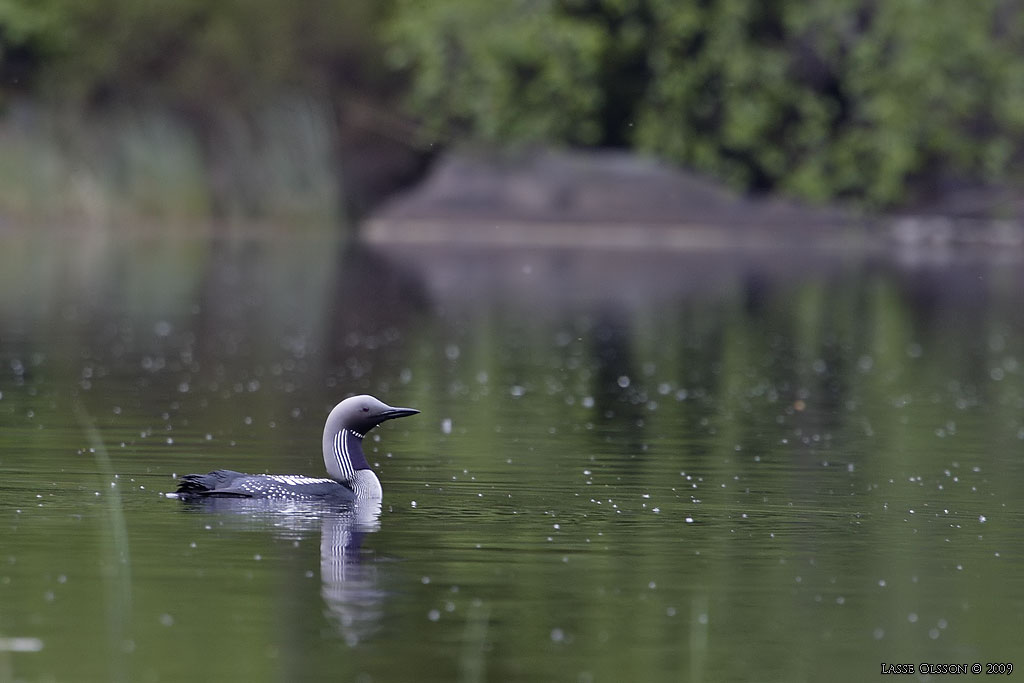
[360,414]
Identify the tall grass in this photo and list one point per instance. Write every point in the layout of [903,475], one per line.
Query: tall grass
[149,167]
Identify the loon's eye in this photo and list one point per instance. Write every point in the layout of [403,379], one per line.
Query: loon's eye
[366,409]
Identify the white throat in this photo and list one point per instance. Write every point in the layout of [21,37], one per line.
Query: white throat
[366,486]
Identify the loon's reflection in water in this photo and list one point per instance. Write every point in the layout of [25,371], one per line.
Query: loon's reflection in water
[349,587]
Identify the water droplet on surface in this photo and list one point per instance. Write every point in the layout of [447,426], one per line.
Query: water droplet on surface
[20,644]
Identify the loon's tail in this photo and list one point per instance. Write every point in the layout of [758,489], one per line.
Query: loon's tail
[205,484]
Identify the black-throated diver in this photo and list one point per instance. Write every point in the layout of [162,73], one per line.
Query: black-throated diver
[351,478]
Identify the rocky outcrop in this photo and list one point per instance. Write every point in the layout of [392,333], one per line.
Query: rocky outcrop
[592,199]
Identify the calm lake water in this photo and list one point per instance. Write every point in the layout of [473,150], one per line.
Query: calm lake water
[628,467]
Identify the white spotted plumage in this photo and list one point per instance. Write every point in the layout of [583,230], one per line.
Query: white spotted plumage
[270,486]
[298,479]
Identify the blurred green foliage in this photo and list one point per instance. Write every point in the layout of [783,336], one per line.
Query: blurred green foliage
[186,53]
[501,71]
[853,99]
[840,98]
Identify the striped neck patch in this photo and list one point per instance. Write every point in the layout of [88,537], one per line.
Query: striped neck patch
[348,454]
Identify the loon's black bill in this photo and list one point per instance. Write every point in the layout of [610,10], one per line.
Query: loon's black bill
[392,413]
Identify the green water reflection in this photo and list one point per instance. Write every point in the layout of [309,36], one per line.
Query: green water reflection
[626,468]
